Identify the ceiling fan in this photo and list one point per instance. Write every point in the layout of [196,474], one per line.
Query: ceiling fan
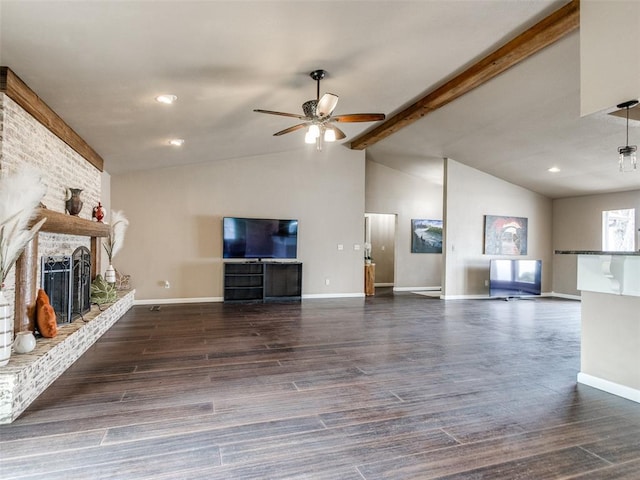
[319,119]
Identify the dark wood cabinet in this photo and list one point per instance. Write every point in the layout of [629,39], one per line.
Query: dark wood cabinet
[262,282]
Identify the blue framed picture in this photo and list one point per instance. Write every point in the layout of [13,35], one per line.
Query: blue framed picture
[426,236]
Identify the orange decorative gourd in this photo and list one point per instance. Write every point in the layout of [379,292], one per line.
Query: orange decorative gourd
[45,316]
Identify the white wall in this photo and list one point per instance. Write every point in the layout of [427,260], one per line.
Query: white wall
[470,195]
[393,192]
[577,225]
[609,54]
[176,215]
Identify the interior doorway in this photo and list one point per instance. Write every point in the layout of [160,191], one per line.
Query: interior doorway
[380,233]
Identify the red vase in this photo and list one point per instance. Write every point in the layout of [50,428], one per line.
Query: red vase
[98,212]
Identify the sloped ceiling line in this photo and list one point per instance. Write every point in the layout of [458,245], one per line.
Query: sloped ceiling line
[546,32]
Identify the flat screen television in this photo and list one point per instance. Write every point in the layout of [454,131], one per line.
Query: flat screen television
[258,238]
[515,278]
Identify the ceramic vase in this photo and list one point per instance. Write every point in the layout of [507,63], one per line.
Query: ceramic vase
[6,330]
[98,212]
[74,204]
[110,274]
[25,342]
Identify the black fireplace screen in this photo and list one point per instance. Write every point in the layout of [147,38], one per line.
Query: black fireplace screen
[67,281]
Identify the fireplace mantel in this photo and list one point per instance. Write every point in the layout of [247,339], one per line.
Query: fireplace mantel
[70,225]
[27,264]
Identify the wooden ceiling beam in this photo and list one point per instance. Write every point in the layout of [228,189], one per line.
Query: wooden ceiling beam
[544,33]
[19,92]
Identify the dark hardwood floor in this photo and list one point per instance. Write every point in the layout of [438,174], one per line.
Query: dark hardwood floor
[387,387]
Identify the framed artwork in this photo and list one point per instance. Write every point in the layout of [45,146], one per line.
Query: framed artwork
[426,236]
[505,235]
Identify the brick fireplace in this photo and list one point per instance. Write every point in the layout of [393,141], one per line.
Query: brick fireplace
[32,135]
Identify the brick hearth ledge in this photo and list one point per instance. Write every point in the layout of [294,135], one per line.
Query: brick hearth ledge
[27,375]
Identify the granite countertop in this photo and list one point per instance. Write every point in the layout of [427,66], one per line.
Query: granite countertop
[594,252]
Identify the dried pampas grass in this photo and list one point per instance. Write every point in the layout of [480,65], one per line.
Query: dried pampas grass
[114,241]
[20,195]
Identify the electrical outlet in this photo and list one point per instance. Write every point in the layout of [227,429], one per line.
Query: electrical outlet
[356,246]
[167,284]
[486,283]
[326,281]
[340,246]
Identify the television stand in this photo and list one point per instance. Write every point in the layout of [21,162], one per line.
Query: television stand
[262,282]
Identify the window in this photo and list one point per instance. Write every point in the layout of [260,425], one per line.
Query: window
[618,229]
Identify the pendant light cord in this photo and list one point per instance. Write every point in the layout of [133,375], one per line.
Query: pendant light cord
[627,125]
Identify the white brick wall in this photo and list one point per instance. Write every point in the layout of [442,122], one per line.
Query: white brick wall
[26,142]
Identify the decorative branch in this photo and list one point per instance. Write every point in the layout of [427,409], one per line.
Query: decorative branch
[20,196]
[113,242]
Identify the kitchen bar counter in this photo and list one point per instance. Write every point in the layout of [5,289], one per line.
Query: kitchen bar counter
[596,252]
[610,342]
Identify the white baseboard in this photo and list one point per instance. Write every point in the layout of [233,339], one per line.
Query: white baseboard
[609,387]
[332,295]
[565,295]
[168,301]
[414,289]
[464,297]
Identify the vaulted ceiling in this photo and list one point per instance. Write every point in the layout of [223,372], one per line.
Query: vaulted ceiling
[100,64]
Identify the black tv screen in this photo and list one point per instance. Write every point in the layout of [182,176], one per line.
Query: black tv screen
[515,278]
[259,238]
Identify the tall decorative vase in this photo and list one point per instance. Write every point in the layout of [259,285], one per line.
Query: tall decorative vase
[74,203]
[110,274]
[6,330]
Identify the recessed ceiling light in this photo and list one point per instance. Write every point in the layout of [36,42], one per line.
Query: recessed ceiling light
[167,99]
[553,170]
[176,142]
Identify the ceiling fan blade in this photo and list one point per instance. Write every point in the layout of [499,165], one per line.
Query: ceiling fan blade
[326,105]
[359,117]
[291,129]
[283,114]
[339,133]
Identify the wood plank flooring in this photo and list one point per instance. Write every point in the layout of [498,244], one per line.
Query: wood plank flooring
[387,387]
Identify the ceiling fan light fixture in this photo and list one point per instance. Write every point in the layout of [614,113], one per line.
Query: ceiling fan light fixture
[318,117]
[314,130]
[309,138]
[329,135]
[627,161]
[326,104]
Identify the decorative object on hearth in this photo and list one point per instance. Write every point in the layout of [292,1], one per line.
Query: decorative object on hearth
[114,241]
[25,342]
[74,202]
[102,292]
[627,161]
[98,213]
[45,316]
[123,282]
[317,117]
[20,195]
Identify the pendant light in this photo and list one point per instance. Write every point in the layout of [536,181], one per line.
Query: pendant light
[627,155]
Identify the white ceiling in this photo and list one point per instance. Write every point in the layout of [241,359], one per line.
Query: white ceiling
[100,64]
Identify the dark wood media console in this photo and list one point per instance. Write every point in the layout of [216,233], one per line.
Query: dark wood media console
[262,281]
